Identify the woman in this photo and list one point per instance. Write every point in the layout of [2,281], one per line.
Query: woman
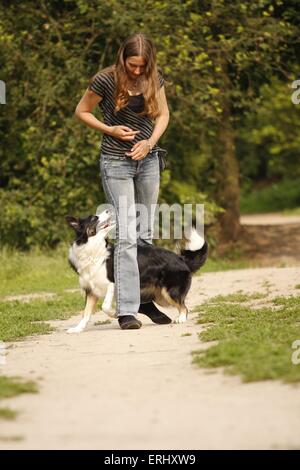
[133,102]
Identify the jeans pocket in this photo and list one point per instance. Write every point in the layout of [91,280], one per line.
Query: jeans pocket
[152,155]
[120,169]
[109,164]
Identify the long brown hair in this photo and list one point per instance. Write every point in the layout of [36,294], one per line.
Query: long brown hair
[136,45]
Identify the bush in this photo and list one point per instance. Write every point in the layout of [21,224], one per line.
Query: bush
[277,197]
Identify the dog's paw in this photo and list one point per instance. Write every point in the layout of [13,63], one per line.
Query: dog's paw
[112,314]
[109,312]
[75,329]
[181,318]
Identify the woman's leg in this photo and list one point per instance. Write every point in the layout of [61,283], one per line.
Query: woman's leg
[117,180]
[146,194]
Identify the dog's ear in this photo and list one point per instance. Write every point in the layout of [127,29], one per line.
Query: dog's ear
[72,221]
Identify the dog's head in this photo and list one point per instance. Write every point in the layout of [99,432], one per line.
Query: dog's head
[91,225]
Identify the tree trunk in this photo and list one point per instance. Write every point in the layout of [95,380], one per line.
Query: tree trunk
[227,168]
[228,190]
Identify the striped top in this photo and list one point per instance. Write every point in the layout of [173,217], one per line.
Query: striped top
[104,86]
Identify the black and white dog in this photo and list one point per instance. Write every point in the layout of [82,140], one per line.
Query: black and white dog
[165,277]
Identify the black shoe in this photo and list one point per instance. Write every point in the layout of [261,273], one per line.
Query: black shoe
[129,322]
[154,314]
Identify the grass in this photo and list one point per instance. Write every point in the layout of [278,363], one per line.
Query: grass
[19,319]
[295,211]
[8,414]
[12,386]
[237,297]
[24,273]
[284,195]
[11,438]
[38,271]
[35,271]
[186,334]
[215,265]
[254,343]
[235,259]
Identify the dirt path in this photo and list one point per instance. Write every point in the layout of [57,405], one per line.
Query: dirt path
[271,218]
[268,240]
[113,389]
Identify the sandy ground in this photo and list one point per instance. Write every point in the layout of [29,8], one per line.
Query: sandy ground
[270,219]
[114,389]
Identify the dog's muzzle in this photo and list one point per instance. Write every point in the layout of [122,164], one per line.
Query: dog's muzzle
[105,221]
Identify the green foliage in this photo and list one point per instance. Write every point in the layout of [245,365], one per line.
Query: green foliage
[273,198]
[269,139]
[215,56]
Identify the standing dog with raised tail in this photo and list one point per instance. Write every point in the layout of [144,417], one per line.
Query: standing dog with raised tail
[165,277]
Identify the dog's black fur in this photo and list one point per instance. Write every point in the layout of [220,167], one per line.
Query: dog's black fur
[160,267]
[165,277]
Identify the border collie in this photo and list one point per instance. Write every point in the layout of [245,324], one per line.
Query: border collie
[165,277]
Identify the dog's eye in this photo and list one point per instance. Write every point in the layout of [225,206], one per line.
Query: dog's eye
[91,232]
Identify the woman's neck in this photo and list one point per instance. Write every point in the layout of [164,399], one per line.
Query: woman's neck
[135,86]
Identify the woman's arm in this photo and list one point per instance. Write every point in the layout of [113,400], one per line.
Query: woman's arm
[84,113]
[141,148]
[162,120]
[84,110]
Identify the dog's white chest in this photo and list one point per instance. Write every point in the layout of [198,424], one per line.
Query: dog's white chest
[90,263]
[94,278]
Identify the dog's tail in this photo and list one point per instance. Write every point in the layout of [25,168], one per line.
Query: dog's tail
[195,251]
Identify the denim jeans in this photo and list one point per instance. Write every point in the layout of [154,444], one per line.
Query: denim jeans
[130,184]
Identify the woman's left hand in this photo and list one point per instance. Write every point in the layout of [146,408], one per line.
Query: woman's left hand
[139,150]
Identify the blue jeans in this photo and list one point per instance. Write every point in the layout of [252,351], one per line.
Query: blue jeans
[129,184]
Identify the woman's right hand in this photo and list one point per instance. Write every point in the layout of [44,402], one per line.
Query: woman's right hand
[123,132]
